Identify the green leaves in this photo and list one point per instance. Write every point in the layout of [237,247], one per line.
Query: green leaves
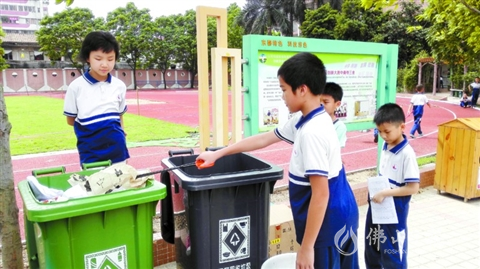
[67,2]
[320,23]
[61,35]
[3,62]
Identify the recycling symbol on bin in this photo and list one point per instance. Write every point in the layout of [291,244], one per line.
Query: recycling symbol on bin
[234,239]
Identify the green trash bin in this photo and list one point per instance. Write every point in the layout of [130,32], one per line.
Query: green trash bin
[113,230]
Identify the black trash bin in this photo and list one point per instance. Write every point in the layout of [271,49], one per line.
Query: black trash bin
[226,217]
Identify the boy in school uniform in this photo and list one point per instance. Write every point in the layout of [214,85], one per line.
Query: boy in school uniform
[331,99]
[399,164]
[465,101]
[95,102]
[474,87]
[418,101]
[321,199]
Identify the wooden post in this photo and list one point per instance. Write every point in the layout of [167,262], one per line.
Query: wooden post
[202,58]
[420,65]
[219,57]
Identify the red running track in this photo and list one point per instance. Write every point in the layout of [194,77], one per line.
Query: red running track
[181,106]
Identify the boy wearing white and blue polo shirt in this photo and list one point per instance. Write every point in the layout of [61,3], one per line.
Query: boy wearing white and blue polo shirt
[417,103]
[386,244]
[331,99]
[95,103]
[324,209]
[475,89]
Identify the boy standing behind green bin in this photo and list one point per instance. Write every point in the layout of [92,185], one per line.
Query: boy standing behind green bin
[95,102]
[324,209]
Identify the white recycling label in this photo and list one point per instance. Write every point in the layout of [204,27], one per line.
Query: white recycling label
[234,235]
[114,258]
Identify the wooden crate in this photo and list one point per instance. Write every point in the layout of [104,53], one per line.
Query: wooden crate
[458,157]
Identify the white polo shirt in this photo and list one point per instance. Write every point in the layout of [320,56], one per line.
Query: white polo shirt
[97,107]
[90,101]
[475,85]
[419,100]
[399,164]
[341,130]
[316,151]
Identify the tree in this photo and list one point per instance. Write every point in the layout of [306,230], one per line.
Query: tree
[235,31]
[62,34]
[133,28]
[408,30]
[458,42]
[3,62]
[261,16]
[357,23]
[454,25]
[163,47]
[320,23]
[314,4]
[67,2]
[186,39]
[9,227]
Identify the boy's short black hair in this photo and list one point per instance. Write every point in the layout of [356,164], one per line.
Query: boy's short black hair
[419,87]
[389,113]
[98,40]
[304,69]
[334,90]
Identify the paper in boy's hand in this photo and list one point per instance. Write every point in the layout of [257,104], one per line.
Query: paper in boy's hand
[383,213]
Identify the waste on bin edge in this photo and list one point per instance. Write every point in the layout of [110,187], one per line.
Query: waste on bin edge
[117,177]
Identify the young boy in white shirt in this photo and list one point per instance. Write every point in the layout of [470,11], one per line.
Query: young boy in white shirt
[321,199]
[331,99]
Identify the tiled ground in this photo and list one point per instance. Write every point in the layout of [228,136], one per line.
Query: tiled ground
[444,232]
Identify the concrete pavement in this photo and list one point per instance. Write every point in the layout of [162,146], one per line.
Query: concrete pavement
[444,232]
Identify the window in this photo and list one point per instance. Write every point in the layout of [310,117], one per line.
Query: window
[8,55]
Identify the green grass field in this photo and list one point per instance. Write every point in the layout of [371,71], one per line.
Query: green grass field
[38,125]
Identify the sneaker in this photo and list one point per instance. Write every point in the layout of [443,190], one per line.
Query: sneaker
[420,135]
[412,136]
[375,138]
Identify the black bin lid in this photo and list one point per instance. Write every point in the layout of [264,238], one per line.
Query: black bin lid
[232,170]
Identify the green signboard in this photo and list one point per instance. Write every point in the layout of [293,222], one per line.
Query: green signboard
[366,71]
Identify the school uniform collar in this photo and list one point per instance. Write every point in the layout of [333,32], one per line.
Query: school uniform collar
[399,147]
[92,80]
[309,116]
[335,121]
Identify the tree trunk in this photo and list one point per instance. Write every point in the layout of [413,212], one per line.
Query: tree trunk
[9,228]
[135,78]
[192,79]
[163,78]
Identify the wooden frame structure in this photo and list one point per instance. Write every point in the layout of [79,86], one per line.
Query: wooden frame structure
[220,56]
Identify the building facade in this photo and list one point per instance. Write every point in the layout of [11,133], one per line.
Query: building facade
[20,19]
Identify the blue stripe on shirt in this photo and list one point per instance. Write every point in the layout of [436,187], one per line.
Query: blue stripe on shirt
[100,116]
[316,173]
[277,133]
[69,114]
[297,178]
[393,182]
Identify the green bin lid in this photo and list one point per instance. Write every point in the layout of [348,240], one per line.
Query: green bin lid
[37,211]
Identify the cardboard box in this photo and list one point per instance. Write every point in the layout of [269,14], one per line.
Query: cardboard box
[281,233]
